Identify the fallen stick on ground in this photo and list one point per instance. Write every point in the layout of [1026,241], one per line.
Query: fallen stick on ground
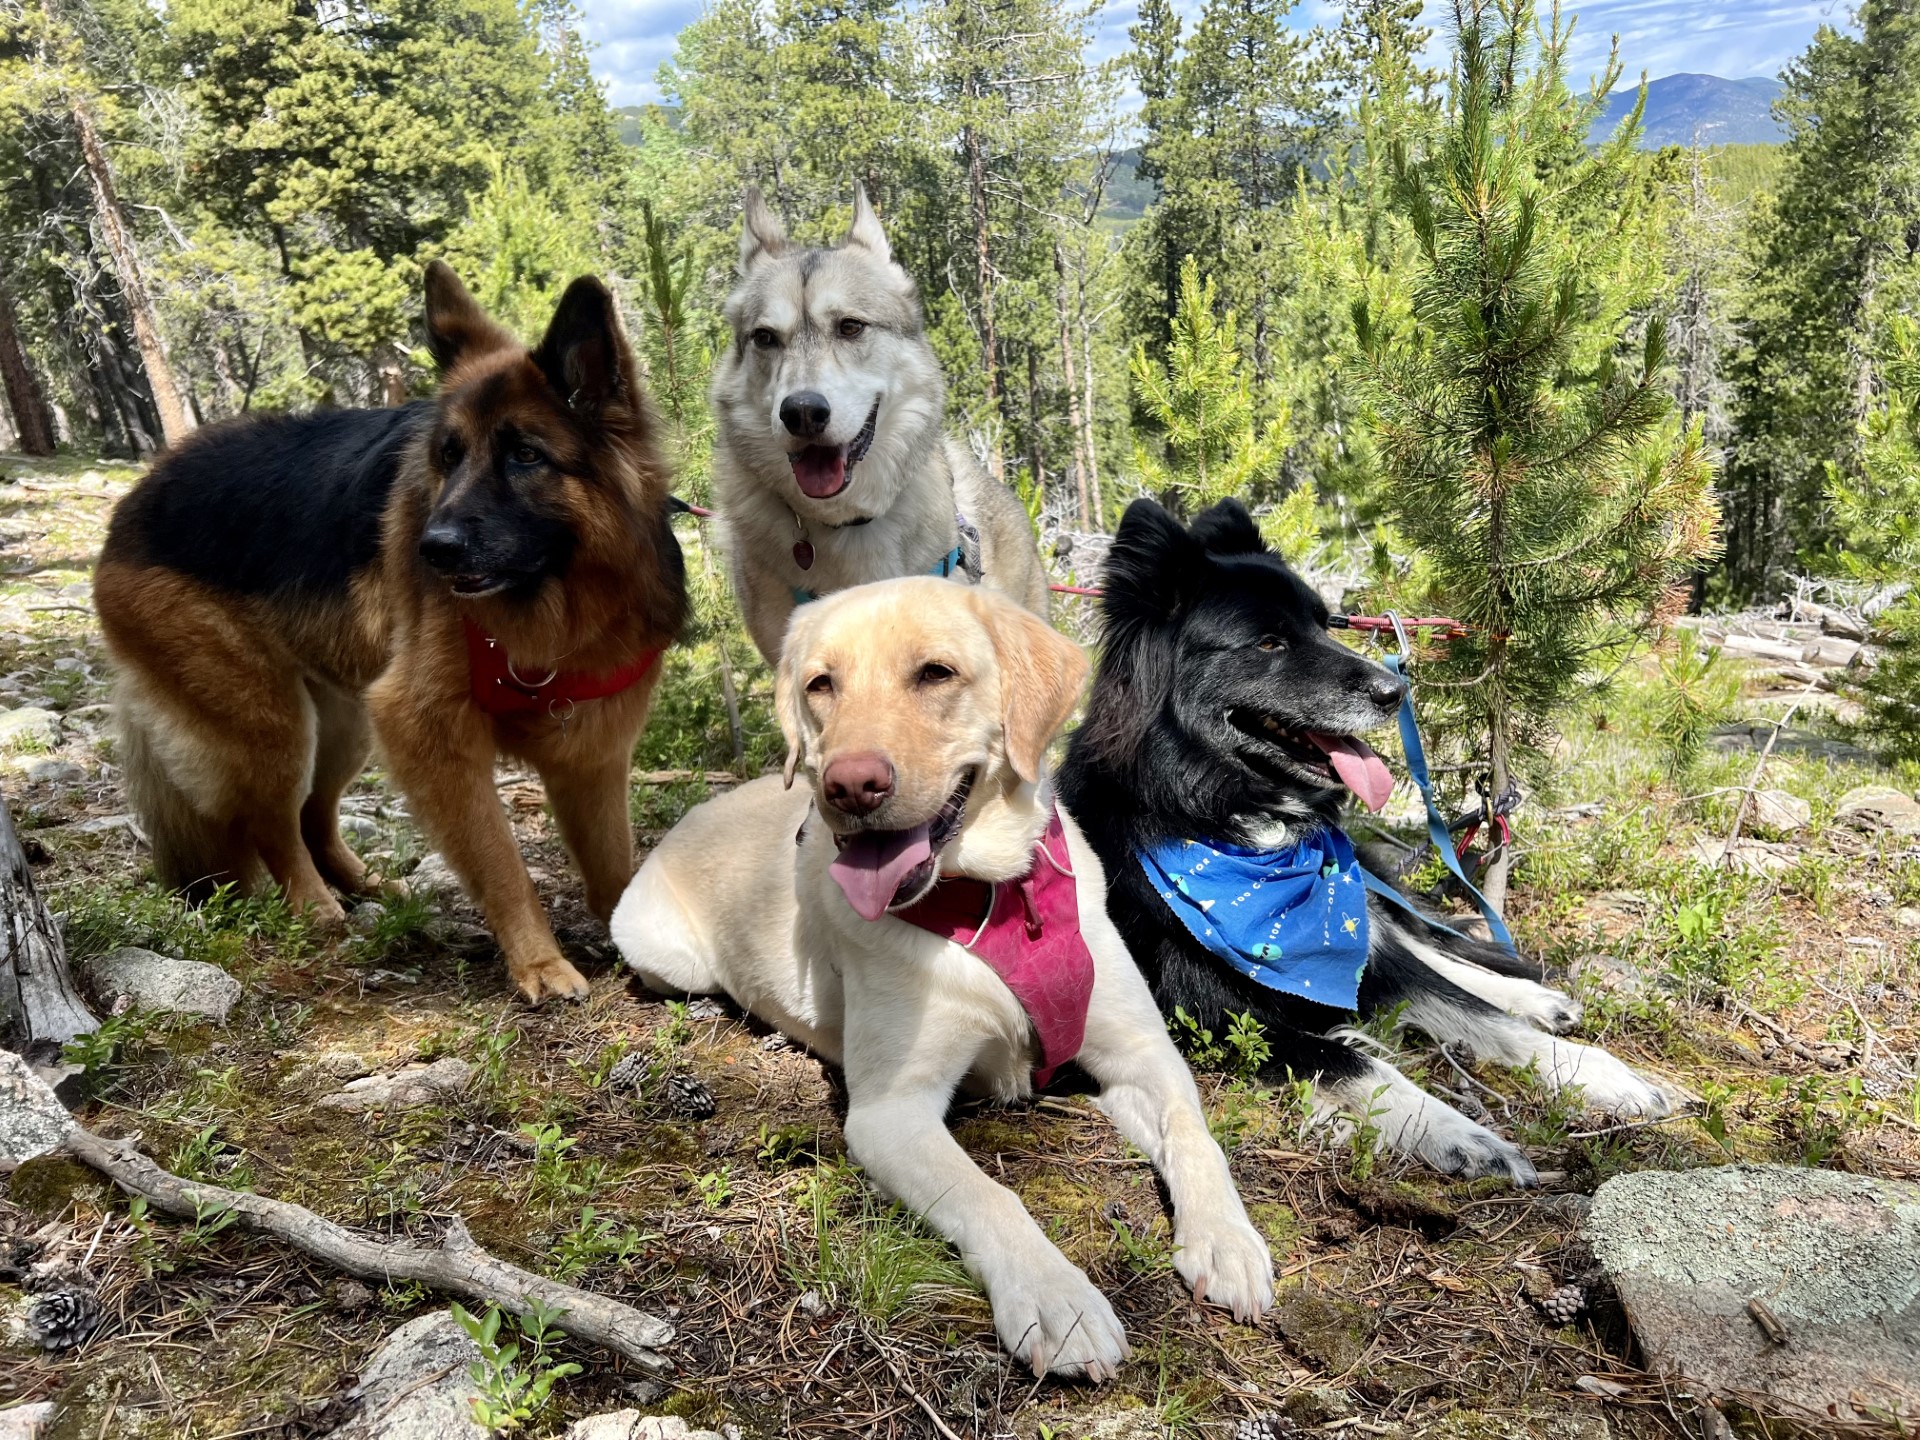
[1759,769]
[456,1266]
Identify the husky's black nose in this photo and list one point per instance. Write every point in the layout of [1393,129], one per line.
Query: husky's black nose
[1387,692]
[444,546]
[805,413]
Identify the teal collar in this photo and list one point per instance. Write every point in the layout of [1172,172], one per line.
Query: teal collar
[947,565]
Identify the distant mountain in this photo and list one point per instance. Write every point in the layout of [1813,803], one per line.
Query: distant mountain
[1679,107]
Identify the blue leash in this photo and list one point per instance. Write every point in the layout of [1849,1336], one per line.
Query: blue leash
[1437,830]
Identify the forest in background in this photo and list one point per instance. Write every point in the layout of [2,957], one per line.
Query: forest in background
[217,207]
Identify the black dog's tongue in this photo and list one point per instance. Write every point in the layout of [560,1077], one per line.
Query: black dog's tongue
[871,865]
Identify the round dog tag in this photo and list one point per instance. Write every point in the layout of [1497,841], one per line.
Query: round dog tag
[803,554]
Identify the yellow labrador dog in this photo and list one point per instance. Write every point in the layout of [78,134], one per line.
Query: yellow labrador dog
[922,915]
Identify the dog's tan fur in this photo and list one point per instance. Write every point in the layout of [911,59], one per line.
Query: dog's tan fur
[244,718]
[728,902]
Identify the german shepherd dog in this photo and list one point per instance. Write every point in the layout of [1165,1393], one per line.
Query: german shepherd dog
[830,466]
[275,584]
[1224,712]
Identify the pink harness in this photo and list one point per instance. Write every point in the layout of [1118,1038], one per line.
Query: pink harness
[1028,930]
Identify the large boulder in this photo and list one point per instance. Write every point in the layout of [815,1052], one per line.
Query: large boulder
[1796,1292]
[1879,807]
[416,1385]
[29,729]
[159,982]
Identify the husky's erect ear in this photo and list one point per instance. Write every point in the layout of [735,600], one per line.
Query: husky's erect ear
[762,233]
[865,230]
[1226,528]
[1041,676]
[584,356]
[456,325]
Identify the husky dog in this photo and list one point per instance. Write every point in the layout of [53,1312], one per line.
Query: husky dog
[1218,748]
[830,466]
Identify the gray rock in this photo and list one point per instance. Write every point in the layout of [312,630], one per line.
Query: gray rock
[71,662]
[32,1119]
[433,876]
[359,827]
[26,1422]
[1879,807]
[1778,812]
[407,1089]
[160,982]
[29,728]
[416,1386]
[1907,918]
[53,772]
[632,1425]
[1836,1258]
[364,918]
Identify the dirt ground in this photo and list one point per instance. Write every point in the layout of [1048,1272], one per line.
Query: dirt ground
[1786,1002]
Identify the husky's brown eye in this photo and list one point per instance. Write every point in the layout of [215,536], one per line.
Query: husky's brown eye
[933,672]
[820,685]
[852,329]
[1272,642]
[764,338]
[525,454]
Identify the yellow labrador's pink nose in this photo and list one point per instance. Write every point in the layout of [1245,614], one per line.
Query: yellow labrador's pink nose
[857,784]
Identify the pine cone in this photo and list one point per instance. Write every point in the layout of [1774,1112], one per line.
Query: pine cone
[1563,1306]
[1271,1426]
[62,1319]
[629,1072]
[688,1097]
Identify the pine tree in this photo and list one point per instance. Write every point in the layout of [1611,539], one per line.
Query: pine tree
[1835,253]
[1878,516]
[1528,450]
[1202,402]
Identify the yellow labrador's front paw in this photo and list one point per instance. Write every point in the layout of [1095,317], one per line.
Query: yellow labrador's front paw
[550,977]
[1226,1262]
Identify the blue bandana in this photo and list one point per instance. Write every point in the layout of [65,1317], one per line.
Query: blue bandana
[1293,920]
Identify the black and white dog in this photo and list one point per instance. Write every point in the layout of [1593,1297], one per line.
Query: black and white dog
[1218,748]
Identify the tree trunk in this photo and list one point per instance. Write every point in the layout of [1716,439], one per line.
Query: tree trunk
[176,423]
[40,1011]
[32,420]
[1499,752]
[1087,412]
[983,265]
[1073,390]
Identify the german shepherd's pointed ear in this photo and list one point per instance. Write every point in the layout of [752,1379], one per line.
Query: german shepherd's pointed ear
[1226,528]
[456,325]
[1041,676]
[762,233]
[1145,574]
[865,230]
[584,356]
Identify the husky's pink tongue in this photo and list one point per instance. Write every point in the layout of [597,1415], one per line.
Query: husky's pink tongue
[820,470]
[1359,769]
[870,866]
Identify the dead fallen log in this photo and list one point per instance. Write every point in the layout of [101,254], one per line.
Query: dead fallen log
[40,1010]
[1787,652]
[456,1266]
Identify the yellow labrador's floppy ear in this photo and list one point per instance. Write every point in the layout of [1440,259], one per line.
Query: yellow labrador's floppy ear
[789,703]
[761,231]
[455,322]
[1041,674]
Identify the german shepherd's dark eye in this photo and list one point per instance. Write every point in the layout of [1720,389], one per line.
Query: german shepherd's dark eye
[450,452]
[525,454]
[852,329]
[933,672]
[1271,642]
[820,685]
[765,339]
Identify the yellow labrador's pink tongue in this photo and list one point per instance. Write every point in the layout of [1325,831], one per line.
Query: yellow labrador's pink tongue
[1359,769]
[870,866]
[820,470]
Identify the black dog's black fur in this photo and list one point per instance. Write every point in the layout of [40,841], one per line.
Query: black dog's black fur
[1206,632]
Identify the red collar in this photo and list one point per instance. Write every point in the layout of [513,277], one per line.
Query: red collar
[1028,930]
[499,689]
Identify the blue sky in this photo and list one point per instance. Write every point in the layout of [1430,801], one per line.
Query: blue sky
[1662,37]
